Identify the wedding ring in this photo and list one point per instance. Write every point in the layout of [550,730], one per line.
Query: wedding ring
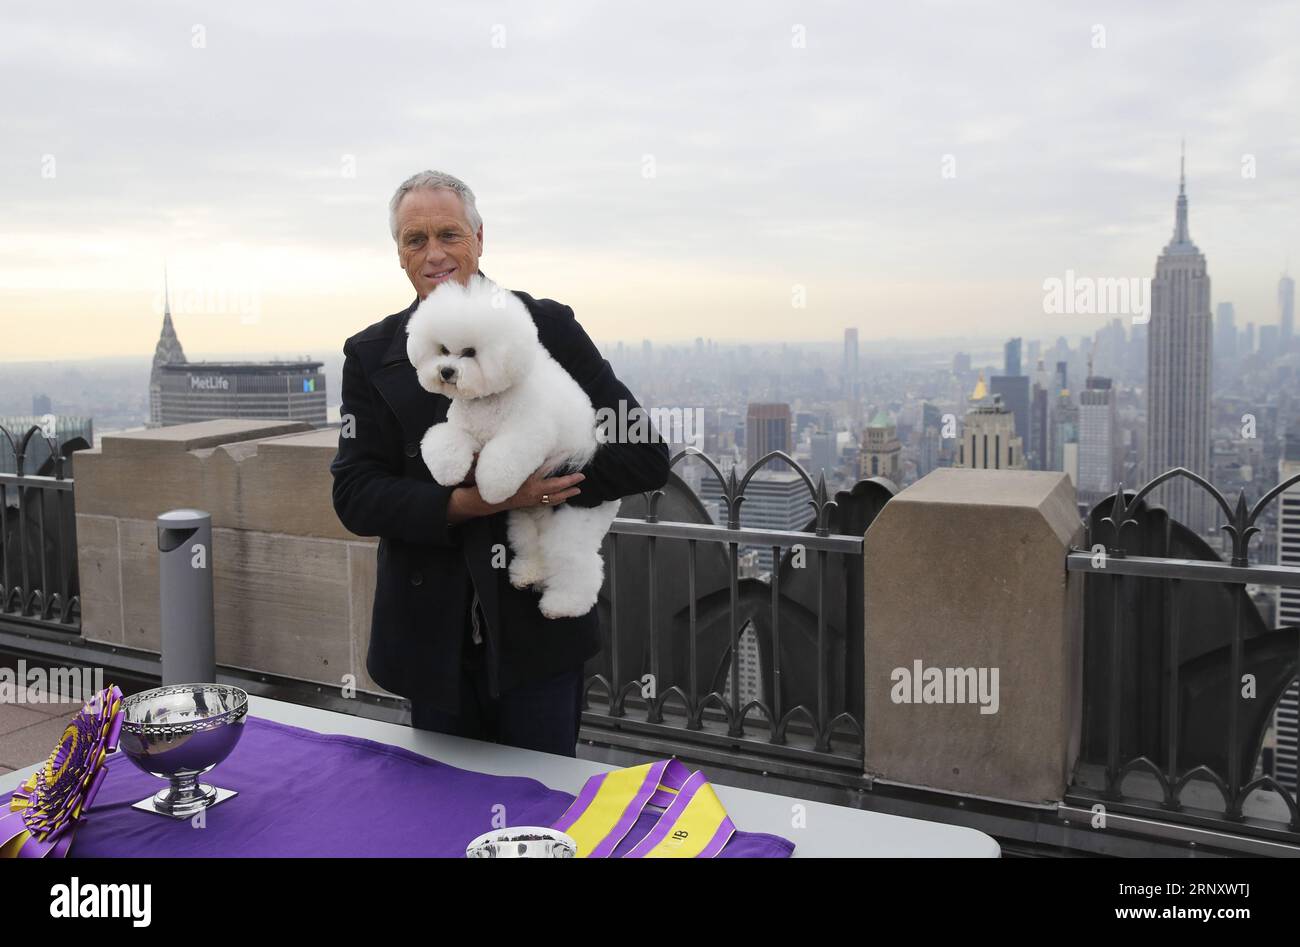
[546,499]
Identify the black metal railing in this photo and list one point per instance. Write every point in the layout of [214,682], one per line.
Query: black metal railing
[1181,672]
[677,612]
[38,540]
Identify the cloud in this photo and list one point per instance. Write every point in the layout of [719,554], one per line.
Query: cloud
[680,143]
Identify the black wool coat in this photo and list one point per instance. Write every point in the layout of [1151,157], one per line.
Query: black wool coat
[428,570]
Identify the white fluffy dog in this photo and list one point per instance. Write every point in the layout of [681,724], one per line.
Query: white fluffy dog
[514,405]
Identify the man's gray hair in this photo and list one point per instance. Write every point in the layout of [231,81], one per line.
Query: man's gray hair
[431,180]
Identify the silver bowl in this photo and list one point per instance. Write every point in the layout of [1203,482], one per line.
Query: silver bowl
[524,841]
[178,733]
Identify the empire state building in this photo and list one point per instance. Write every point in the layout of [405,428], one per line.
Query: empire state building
[1178,373]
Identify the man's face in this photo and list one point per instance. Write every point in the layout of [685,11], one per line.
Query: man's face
[434,240]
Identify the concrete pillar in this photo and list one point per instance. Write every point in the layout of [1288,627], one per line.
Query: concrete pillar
[974,635]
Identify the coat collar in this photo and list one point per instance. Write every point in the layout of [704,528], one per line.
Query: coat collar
[396,351]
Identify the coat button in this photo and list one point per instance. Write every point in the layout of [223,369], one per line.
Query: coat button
[413,449]
[416,578]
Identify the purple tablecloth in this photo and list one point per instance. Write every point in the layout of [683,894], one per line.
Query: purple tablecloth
[303,793]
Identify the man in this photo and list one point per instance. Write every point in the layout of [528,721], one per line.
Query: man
[473,654]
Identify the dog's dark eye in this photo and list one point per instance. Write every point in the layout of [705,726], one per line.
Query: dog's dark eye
[442,350]
[468,353]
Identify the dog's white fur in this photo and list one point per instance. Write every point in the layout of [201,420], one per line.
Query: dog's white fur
[520,410]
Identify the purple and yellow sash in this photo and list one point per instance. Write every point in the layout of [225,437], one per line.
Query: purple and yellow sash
[693,823]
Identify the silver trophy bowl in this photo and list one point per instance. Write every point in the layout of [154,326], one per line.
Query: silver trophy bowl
[178,733]
[525,841]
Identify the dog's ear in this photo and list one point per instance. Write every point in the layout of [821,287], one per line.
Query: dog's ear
[416,349]
[421,343]
[520,354]
[511,343]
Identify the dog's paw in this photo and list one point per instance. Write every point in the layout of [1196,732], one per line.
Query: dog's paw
[494,484]
[447,456]
[526,572]
[564,603]
[449,469]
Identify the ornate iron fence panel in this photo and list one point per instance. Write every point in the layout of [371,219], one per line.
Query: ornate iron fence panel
[698,653]
[39,584]
[1181,672]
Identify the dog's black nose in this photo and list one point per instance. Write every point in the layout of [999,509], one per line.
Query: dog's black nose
[448,373]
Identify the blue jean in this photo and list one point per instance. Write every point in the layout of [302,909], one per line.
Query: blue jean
[542,715]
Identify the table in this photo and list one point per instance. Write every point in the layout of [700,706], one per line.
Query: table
[827,831]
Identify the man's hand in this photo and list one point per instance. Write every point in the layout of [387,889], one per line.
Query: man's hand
[466,502]
[555,489]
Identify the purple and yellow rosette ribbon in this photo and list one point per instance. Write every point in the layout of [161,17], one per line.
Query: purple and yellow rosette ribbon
[692,823]
[45,810]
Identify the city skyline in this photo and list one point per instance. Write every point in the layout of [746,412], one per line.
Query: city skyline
[710,201]
[902,428]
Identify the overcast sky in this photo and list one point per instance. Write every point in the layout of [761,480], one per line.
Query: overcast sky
[668,169]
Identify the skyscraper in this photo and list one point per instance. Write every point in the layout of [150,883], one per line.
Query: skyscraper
[1011,357]
[1286,719]
[1098,431]
[1013,389]
[1065,434]
[1270,341]
[849,370]
[824,455]
[1225,331]
[168,351]
[1039,418]
[1286,309]
[931,439]
[767,428]
[204,391]
[1178,372]
[988,437]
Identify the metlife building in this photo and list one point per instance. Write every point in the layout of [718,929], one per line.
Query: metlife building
[204,391]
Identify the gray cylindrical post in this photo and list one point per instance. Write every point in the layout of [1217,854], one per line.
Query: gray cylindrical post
[185,594]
